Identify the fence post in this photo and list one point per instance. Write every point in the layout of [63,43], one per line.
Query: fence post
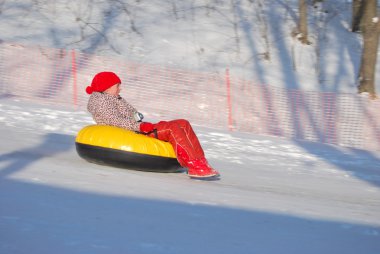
[74,73]
[229,100]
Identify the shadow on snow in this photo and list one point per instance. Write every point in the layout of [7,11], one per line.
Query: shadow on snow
[47,219]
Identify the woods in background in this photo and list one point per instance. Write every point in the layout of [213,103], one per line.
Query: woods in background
[365,20]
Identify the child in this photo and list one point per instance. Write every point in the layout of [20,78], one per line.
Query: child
[108,108]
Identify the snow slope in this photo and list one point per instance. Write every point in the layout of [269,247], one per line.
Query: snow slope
[274,196]
[251,38]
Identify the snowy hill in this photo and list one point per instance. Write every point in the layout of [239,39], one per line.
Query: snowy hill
[274,195]
[252,38]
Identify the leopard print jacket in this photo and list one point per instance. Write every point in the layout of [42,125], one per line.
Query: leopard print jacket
[107,109]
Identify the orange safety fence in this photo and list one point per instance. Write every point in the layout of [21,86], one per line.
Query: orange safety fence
[60,76]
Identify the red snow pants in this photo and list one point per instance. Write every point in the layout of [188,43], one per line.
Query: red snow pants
[181,136]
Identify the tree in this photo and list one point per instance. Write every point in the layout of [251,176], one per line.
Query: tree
[357,14]
[302,22]
[370,28]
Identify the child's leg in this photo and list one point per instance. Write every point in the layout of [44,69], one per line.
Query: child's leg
[183,139]
[186,146]
[188,129]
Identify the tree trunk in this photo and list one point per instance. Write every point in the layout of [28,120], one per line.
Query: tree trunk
[370,29]
[302,23]
[357,14]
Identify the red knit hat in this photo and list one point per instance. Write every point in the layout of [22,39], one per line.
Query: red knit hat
[102,81]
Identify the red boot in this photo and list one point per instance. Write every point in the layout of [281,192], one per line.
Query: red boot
[200,168]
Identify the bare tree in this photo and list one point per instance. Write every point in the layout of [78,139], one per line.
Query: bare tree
[264,29]
[302,22]
[370,28]
[357,14]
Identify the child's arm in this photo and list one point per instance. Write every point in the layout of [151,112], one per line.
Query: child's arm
[125,122]
[125,108]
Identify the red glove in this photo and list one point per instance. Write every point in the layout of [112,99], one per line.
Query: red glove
[146,127]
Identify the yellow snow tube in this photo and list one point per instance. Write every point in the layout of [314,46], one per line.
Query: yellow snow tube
[115,146]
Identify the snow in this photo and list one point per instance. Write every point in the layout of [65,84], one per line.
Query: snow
[274,195]
[201,35]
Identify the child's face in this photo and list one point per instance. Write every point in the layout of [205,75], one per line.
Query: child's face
[113,90]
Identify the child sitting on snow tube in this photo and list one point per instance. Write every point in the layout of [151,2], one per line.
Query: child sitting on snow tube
[108,108]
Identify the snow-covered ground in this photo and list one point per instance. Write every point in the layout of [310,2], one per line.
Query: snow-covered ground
[251,38]
[274,196]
